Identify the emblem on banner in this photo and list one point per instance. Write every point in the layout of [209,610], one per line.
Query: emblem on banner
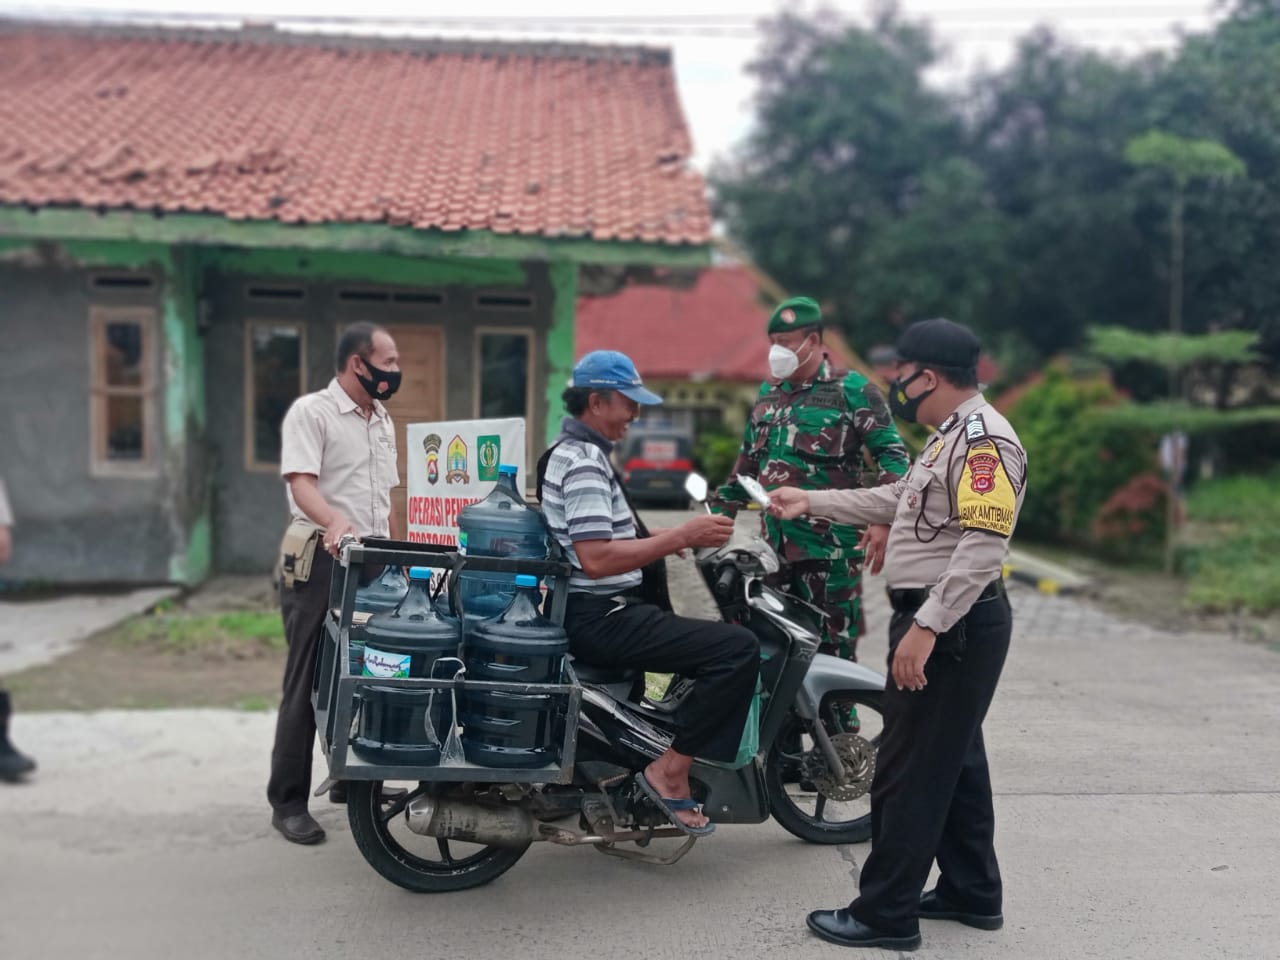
[488,456]
[431,444]
[457,462]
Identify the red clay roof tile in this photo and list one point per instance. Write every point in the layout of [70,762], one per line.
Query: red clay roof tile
[516,138]
[712,331]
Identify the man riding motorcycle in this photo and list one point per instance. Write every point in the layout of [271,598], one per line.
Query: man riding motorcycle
[614,617]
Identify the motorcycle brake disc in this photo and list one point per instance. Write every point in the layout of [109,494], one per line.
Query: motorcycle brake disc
[858,757]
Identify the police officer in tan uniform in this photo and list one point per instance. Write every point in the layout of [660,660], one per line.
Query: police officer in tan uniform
[952,516]
[338,460]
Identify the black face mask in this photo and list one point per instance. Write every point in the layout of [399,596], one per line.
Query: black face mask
[390,377]
[902,406]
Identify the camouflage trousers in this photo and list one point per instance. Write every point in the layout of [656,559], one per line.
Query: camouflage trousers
[835,588]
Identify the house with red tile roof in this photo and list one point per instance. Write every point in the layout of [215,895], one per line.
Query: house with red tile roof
[703,347]
[188,220]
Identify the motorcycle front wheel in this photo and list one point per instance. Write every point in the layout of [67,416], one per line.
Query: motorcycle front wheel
[409,860]
[804,797]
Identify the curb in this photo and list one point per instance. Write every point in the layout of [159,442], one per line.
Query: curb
[1048,585]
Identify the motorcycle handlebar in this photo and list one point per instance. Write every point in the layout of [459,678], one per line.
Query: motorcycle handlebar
[724,582]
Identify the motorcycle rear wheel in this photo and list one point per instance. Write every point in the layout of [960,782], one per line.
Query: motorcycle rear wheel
[381,835]
[803,812]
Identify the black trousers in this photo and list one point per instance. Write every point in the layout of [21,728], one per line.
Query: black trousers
[303,606]
[723,658]
[931,796]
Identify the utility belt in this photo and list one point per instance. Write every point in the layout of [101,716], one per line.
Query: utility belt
[298,551]
[911,599]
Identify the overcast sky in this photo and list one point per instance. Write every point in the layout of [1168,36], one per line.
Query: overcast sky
[714,40]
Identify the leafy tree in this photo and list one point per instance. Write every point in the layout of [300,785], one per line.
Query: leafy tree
[1049,131]
[848,142]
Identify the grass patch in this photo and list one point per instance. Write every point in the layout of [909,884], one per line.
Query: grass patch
[1229,557]
[190,633]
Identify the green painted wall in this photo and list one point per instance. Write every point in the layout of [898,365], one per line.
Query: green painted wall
[184,422]
[366,267]
[207,231]
[121,255]
[181,248]
[564,281]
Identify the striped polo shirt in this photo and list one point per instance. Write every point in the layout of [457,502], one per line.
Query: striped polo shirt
[582,500]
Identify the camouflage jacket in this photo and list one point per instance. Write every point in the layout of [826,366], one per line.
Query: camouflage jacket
[812,435]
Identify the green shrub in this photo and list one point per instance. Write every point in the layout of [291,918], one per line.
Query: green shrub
[1076,464]
[716,451]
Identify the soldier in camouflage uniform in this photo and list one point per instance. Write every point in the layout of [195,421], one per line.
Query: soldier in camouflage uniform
[809,428]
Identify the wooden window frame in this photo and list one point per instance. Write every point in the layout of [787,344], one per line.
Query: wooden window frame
[251,463]
[147,318]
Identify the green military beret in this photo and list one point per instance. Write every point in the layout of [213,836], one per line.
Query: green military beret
[795,313]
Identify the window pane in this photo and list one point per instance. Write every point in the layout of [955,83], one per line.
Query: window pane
[277,382]
[124,428]
[123,354]
[504,375]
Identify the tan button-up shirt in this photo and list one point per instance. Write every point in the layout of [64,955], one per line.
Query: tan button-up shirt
[352,458]
[952,514]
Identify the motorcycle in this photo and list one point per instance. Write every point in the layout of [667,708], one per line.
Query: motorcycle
[819,726]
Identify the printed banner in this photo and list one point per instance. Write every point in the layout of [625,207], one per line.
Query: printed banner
[453,464]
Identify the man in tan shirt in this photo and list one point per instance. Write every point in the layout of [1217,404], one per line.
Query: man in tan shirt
[338,460]
[13,765]
[952,516]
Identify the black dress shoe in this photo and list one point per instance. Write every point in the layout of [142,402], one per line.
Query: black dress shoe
[13,765]
[338,794]
[300,828]
[840,926]
[933,907]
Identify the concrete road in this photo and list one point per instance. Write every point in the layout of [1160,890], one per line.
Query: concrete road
[1138,795]
[33,632]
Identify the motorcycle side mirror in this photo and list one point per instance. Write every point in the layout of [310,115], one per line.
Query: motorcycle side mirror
[695,485]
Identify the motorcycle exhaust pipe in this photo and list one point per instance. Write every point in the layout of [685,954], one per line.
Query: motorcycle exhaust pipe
[448,819]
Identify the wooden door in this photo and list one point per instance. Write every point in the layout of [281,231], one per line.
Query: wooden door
[420,399]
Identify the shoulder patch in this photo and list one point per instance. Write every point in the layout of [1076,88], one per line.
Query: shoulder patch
[986,498]
[975,428]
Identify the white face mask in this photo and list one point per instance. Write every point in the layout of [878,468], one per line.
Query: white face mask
[783,362]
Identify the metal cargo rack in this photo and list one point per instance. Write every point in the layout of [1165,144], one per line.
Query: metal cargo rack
[335,688]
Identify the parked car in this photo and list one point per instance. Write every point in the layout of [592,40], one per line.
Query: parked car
[654,462]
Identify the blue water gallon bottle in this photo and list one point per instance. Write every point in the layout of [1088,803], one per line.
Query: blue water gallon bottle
[500,525]
[381,595]
[399,725]
[509,728]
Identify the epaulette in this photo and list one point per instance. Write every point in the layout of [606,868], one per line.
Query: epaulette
[975,428]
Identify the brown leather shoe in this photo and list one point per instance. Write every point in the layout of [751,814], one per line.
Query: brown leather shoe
[299,828]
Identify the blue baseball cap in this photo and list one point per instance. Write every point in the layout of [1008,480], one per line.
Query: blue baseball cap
[611,370]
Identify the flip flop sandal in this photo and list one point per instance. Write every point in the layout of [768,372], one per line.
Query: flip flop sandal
[671,805]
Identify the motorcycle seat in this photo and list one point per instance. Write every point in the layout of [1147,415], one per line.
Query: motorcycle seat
[591,673]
